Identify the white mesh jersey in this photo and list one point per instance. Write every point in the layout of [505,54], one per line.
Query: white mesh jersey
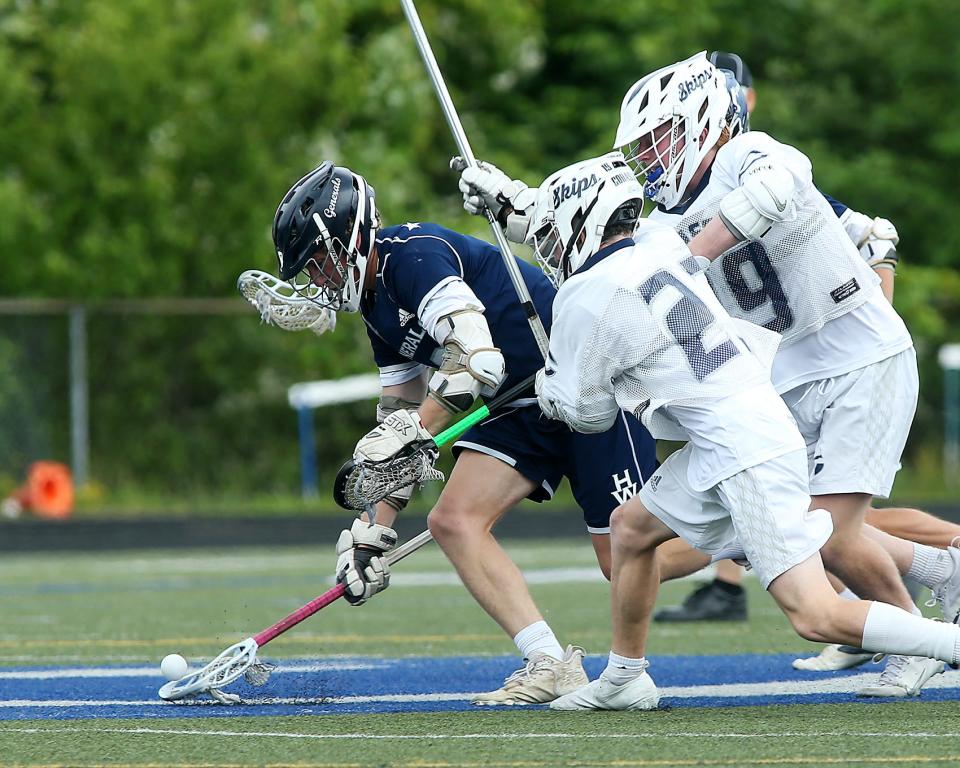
[639,329]
[803,273]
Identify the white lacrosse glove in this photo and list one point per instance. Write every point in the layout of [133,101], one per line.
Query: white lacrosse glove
[485,186]
[880,248]
[876,239]
[546,405]
[386,440]
[361,567]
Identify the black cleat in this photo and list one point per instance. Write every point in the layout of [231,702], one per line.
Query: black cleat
[709,602]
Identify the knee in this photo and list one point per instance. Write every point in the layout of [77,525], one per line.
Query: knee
[448,521]
[633,529]
[809,627]
[813,622]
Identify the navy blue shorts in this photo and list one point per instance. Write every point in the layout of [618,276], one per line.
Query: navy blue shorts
[604,469]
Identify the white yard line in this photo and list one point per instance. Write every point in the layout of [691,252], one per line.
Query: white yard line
[154,672]
[849,684]
[483,736]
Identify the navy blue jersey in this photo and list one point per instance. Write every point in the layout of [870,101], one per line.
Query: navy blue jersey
[416,259]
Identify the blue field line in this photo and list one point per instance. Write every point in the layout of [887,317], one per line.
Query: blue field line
[370,685]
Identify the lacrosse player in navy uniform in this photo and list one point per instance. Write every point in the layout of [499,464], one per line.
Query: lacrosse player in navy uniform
[637,328]
[435,299]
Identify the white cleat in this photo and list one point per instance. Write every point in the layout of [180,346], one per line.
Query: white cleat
[834,657]
[947,593]
[903,676]
[543,679]
[639,693]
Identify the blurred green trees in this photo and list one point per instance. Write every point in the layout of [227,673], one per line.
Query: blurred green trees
[145,146]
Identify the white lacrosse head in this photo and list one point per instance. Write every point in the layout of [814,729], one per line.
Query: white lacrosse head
[574,207]
[280,304]
[223,670]
[669,121]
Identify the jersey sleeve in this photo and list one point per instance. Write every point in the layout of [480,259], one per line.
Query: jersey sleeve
[752,150]
[418,267]
[581,368]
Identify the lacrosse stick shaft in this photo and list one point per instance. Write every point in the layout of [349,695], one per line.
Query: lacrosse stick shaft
[455,430]
[460,137]
[334,593]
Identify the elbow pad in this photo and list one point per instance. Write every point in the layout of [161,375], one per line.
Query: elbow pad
[471,365]
[764,198]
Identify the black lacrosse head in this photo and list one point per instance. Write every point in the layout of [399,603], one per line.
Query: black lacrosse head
[340,484]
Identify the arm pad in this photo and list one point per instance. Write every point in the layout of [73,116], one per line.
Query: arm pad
[764,198]
[471,364]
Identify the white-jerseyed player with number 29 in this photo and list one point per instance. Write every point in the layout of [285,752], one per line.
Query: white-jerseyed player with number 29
[638,328]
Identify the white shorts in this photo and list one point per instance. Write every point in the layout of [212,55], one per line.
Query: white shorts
[760,514]
[855,425]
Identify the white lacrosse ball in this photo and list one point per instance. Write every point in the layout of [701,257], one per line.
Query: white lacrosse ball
[174,666]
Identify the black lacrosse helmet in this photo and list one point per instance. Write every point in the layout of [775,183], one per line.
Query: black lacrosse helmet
[327,223]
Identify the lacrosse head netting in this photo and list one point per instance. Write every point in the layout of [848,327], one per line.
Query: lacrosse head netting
[279,304]
[237,661]
[360,485]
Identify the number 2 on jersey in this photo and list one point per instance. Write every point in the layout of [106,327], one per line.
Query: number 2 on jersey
[687,320]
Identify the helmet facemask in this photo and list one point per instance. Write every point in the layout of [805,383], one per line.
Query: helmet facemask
[658,156]
[333,276]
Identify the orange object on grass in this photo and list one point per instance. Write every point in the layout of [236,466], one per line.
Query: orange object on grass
[49,490]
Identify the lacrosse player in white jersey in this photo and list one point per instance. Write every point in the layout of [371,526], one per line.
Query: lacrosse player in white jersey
[637,328]
[778,257]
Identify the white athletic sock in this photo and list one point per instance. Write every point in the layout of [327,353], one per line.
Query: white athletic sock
[891,630]
[623,669]
[848,594]
[930,566]
[538,638]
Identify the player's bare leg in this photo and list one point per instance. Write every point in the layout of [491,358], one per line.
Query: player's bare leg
[818,613]
[858,560]
[480,490]
[677,559]
[601,546]
[624,684]
[634,534]
[915,525]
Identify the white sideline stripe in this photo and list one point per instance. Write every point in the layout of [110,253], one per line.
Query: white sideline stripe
[849,684]
[532,576]
[458,736]
[111,672]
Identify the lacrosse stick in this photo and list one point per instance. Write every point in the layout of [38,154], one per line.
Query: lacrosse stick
[460,137]
[360,485]
[241,659]
[279,304]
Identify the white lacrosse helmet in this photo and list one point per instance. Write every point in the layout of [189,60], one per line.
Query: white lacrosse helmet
[669,121]
[573,208]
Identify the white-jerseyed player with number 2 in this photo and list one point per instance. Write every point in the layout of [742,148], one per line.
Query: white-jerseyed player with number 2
[638,328]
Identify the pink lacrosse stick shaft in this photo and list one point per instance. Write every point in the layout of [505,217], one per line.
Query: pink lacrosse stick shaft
[334,593]
[331,595]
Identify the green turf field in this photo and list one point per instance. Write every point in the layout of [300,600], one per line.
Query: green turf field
[132,608]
